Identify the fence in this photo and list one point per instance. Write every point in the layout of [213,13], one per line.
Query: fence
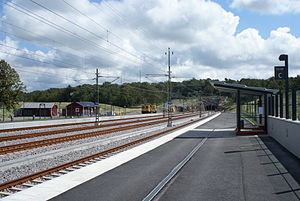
[278,104]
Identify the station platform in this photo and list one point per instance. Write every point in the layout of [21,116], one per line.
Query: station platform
[226,167]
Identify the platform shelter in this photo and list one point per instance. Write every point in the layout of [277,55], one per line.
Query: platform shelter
[252,106]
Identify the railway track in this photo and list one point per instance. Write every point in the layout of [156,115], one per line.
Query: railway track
[70,166]
[69,124]
[55,132]
[47,142]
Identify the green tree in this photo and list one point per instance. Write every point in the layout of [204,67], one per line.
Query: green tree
[11,86]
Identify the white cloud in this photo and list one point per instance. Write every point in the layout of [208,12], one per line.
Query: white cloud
[201,33]
[268,6]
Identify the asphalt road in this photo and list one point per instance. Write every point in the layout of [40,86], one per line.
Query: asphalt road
[225,168]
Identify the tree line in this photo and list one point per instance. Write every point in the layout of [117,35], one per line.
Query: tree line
[127,94]
[136,93]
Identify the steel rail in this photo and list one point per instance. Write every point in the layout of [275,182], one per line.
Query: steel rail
[47,142]
[85,159]
[55,132]
[173,172]
[68,124]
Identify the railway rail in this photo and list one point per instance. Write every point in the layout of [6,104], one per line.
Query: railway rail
[70,166]
[69,124]
[55,132]
[47,142]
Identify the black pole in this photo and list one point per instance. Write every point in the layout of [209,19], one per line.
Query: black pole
[285,58]
[294,107]
[265,112]
[259,108]
[269,106]
[281,104]
[272,105]
[276,105]
[255,110]
[238,110]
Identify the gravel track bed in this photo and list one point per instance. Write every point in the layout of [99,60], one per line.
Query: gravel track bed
[23,170]
[13,142]
[15,155]
[17,172]
[59,128]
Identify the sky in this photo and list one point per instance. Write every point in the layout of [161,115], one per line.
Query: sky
[62,42]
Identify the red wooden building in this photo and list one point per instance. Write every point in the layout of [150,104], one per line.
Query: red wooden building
[39,109]
[80,109]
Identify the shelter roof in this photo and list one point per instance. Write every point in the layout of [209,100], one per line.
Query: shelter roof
[232,88]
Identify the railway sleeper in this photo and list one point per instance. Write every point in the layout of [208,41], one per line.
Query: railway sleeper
[5,193]
[15,188]
[27,185]
[55,175]
[63,172]
[70,169]
[37,181]
[46,177]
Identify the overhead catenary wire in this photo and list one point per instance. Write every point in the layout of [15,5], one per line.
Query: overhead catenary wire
[132,54]
[102,27]
[85,29]
[56,60]
[54,25]
[115,12]
[26,30]
[23,38]
[64,30]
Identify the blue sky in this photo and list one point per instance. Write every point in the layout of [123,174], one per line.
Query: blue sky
[206,36]
[265,23]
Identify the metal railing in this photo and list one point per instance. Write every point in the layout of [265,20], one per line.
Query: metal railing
[278,105]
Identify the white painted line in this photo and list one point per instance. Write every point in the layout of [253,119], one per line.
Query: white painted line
[56,186]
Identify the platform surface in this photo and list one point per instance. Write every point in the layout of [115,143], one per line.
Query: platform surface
[226,167]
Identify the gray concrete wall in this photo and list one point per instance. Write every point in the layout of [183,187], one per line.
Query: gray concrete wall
[286,132]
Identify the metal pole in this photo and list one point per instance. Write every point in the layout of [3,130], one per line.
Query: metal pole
[272,105]
[238,110]
[40,110]
[294,107]
[169,90]
[265,112]
[97,101]
[276,105]
[287,114]
[281,105]
[260,108]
